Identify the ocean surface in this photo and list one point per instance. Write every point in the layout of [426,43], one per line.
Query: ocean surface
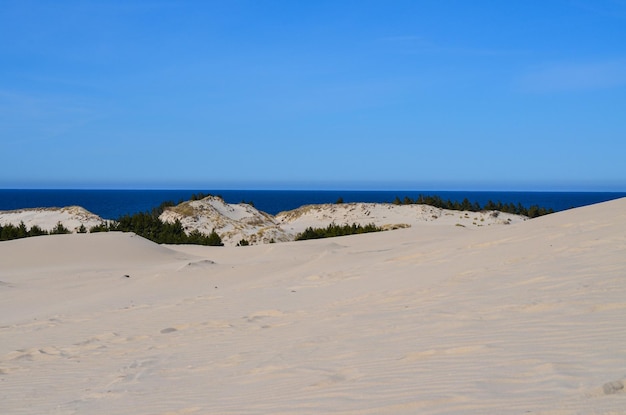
[111,204]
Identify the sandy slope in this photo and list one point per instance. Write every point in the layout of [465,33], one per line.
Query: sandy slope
[526,318]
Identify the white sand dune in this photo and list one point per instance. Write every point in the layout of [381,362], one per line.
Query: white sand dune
[71,217]
[234,222]
[388,215]
[526,318]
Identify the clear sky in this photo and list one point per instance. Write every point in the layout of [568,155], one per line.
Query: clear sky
[388,94]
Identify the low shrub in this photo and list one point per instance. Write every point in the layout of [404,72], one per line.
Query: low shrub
[333,230]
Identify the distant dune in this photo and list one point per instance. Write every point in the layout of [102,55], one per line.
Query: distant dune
[234,222]
[71,217]
[524,318]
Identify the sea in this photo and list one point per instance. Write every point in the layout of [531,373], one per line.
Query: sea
[112,204]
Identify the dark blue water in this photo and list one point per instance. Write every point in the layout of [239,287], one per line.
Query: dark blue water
[111,204]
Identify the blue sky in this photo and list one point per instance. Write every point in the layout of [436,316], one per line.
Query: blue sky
[432,94]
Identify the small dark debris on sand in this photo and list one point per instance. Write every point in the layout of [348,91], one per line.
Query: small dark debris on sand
[613,387]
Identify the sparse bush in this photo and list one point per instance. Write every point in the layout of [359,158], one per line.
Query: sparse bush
[214,239]
[198,238]
[36,231]
[8,232]
[59,229]
[161,208]
[333,230]
[102,227]
[201,195]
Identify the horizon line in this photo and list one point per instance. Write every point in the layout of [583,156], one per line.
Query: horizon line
[319,189]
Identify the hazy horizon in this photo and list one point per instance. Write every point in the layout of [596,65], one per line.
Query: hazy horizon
[334,187]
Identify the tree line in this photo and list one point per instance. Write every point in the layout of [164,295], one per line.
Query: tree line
[436,201]
[144,224]
[10,231]
[333,230]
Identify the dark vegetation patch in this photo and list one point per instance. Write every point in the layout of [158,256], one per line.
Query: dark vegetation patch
[333,230]
[436,201]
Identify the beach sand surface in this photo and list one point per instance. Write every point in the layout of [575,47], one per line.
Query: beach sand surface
[516,319]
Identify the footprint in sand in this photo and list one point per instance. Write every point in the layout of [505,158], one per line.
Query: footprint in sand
[212,324]
[613,387]
[132,374]
[197,265]
[329,378]
[262,316]
[35,354]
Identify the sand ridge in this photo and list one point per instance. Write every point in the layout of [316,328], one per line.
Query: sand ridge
[234,222]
